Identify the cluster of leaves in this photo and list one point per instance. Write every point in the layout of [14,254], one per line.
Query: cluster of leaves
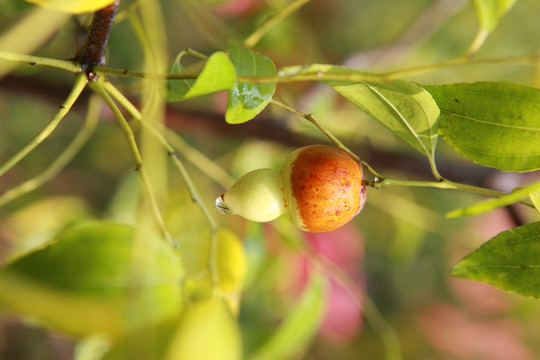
[126,283]
[494,124]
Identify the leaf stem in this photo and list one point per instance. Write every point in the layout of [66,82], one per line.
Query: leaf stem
[257,35]
[327,133]
[99,88]
[62,160]
[78,86]
[442,184]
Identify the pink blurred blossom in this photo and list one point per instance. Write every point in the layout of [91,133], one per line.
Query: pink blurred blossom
[235,8]
[460,336]
[343,318]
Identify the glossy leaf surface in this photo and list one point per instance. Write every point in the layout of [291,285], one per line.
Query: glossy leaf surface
[495,124]
[246,100]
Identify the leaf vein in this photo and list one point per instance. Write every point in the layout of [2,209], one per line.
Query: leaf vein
[400,116]
[491,123]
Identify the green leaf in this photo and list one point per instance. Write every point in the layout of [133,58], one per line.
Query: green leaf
[246,100]
[495,124]
[92,347]
[208,331]
[490,11]
[296,332]
[535,198]
[147,343]
[73,6]
[218,74]
[509,261]
[492,204]
[230,264]
[89,279]
[403,107]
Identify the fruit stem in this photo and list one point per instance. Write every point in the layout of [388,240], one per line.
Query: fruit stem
[328,134]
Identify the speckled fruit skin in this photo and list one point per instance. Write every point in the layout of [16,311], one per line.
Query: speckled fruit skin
[320,187]
[325,187]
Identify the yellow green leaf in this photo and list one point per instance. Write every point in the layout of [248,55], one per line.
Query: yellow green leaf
[508,261]
[88,280]
[230,264]
[231,260]
[488,205]
[535,198]
[208,331]
[72,6]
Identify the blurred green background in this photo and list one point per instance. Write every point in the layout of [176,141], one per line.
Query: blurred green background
[399,249]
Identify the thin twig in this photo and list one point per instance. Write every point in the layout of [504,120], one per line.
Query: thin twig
[78,86]
[62,160]
[200,160]
[257,35]
[98,87]
[192,189]
[353,76]
[32,60]
[370,312]
[327,133]
[197,199]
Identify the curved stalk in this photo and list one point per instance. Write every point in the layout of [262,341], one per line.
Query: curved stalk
[78,86]
[62,160]
[192,189]
[257,35]
[99,88]
[327,133]
[375,319]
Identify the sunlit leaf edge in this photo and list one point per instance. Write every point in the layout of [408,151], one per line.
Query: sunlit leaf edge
[492,204]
